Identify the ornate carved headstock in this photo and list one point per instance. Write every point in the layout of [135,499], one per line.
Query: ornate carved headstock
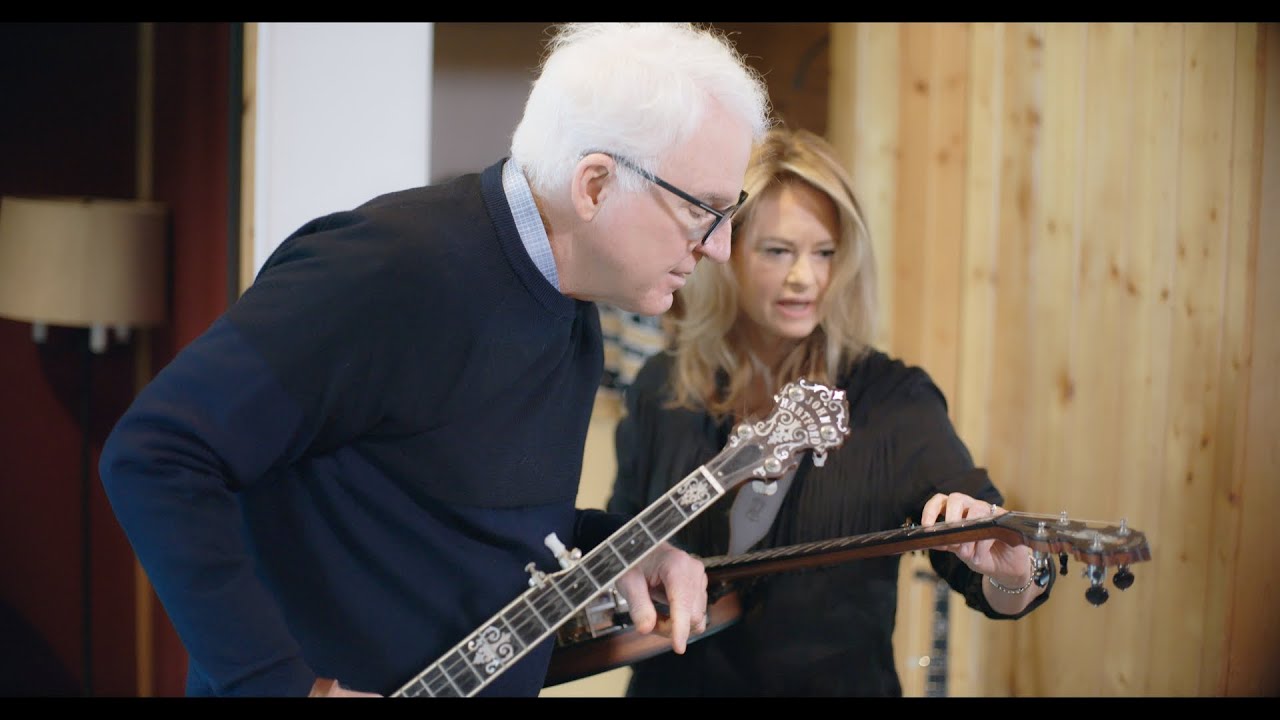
[806,416]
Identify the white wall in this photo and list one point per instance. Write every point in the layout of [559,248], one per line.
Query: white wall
[343,113]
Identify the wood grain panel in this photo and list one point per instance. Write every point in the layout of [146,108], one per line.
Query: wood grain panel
[1242,584]
[941,262]
[944,190]
[971,404]
[1143,360]
[1103,417]
[1116,353]
[1016,137]
[1056,232]
[1252,667]
[971,401]
[874,118]
[911,196]
[842,92]
[1194,399]
[1020,81]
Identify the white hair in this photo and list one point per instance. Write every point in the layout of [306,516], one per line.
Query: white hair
[636,89]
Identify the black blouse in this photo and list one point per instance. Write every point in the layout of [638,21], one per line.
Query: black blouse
[818,631]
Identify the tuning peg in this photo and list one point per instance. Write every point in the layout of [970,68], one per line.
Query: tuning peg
[1062,563]
[1040,570]
[536,576]
[1123,578]
[566,557]
[1096,594]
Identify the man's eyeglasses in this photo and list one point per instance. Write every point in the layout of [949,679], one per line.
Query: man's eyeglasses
[717,216]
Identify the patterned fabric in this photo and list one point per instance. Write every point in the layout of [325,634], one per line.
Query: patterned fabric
[629,340]
[528,224]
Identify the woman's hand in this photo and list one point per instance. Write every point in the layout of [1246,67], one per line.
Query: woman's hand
[1009,564]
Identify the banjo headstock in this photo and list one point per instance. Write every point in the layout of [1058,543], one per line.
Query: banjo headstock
[807,416]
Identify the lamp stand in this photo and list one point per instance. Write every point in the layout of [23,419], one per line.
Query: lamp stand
[86,524]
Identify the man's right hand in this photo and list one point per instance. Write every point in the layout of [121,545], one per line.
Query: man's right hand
[679,580]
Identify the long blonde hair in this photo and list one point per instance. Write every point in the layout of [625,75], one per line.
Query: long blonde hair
[708,343]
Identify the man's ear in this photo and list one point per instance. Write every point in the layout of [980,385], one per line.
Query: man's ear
[591,184]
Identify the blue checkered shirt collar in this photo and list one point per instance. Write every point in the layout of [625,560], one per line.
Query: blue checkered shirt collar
[528,222]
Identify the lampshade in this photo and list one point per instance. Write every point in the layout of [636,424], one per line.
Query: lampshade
[82,262]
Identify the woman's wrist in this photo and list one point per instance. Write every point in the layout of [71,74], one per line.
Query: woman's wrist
[1016,587]
[1010,590]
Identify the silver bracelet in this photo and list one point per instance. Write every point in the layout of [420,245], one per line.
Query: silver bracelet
[1016,591]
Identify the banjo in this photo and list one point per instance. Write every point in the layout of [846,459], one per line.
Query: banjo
[600,637]
[806,417]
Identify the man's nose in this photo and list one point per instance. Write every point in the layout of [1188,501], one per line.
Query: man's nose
[716,248]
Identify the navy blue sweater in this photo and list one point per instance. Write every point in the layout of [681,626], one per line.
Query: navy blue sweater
[347,473]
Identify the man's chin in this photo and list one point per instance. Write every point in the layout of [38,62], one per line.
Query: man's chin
[655,305]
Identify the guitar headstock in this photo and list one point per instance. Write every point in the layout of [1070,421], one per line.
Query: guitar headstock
[1097,545]
[1092,543]
[807,416]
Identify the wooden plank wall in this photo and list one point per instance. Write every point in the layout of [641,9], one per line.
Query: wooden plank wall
[1078,230]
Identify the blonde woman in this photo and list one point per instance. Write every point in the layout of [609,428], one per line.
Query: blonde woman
[797,299]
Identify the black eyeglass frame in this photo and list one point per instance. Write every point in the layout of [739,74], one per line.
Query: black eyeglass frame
[720,215]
